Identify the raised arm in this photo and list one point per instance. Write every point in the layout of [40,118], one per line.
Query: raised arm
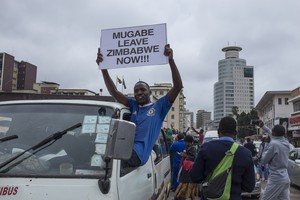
[195,130]
[177,83]
[264,127]
[121,98]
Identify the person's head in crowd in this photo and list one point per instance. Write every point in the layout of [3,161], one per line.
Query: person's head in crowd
[201,131]
[227,127]
[180,136]
[278,130]
[188,140]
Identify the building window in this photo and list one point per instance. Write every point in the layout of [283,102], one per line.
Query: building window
[296,106]
[172,116]
[286,101]
[279,101]
[173,109]
[161,92]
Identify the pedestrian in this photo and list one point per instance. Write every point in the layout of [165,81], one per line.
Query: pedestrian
[211,153]
[147,116]
[276,154]
[169,137]
[249,145]
[176,148]
[186,188]
[201,135]
[263,167]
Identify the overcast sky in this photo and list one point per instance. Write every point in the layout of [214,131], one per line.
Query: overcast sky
[61,38]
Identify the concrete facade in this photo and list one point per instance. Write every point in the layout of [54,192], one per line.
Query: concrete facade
[202,118]
[16,75]
[175,117]
[274,105]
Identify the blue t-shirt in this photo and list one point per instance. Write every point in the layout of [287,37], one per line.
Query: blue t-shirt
[148,120]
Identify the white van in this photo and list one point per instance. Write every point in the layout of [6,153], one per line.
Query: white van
[72,150]
[211,135]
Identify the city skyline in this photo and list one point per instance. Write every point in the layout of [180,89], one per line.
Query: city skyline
[64,46]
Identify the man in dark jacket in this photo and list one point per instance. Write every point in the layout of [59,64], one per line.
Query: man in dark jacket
[211,153]
[249,145]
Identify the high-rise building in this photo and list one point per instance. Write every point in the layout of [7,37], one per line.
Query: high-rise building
[188,120]
[16,75]
[235,86]
[202,118]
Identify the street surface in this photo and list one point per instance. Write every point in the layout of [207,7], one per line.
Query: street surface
[295,192]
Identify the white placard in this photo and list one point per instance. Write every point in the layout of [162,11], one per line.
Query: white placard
[133,46]
[104,119]
[101,138]
[97,160]
[88,128]
[100,148]
[102,128]
[90,119]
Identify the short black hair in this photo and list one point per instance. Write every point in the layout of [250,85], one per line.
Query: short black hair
[180,136]
[189,138]
[142,82]
[279,130]
[227,125]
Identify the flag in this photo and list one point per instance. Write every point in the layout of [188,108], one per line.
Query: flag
[124,85]
[119,80]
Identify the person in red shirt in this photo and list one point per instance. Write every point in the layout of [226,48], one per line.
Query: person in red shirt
[201,135]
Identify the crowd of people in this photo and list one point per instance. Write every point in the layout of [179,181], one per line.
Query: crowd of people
[271,160]
[191,166]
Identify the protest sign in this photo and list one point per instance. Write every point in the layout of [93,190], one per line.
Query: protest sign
[133,46]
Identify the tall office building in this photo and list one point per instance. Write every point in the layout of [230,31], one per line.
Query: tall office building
[202,117]
[188,120]
[235,86]
[16,75]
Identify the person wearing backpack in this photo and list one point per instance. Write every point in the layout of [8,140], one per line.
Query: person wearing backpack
[212,153]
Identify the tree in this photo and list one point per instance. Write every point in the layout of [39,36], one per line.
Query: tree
[235,111]
[244,126]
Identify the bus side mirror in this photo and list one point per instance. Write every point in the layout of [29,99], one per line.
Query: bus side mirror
[120,139]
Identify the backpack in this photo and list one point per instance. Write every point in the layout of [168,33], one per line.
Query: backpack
[217,185]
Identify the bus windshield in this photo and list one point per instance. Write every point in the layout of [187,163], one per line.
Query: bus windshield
[79,152]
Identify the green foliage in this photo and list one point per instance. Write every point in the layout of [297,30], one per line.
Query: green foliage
[244,122]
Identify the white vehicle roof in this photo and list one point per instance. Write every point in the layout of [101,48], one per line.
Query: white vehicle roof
[213,133]
[65,101]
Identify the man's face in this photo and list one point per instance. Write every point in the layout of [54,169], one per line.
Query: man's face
[141,93]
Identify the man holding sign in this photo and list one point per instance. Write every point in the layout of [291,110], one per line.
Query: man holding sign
[147,116]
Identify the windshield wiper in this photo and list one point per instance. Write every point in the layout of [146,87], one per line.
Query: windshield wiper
[51,138]
[8,138]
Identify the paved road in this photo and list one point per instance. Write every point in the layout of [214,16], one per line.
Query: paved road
[295,192]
